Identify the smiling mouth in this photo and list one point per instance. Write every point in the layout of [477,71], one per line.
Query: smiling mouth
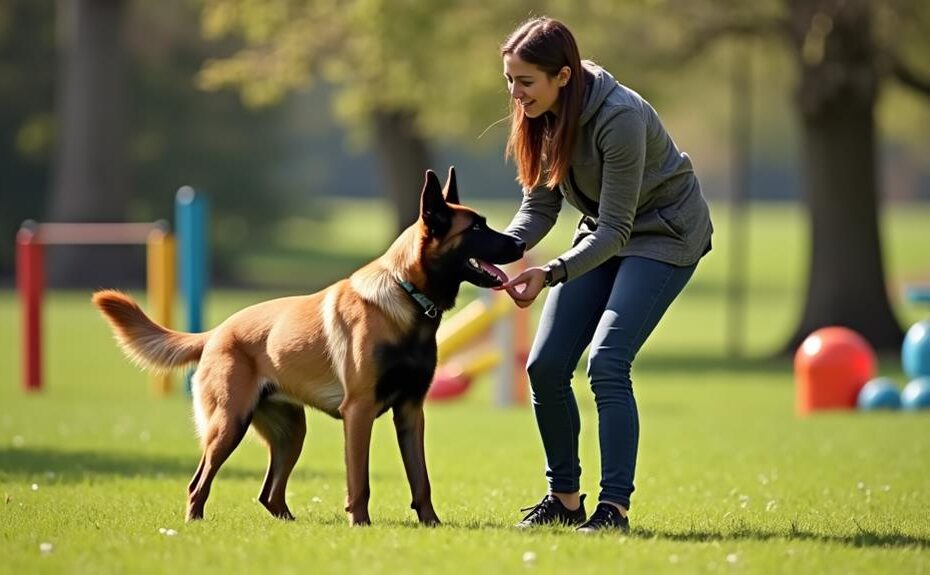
[490,271]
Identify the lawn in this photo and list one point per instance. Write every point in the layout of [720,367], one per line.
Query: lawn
[93,471]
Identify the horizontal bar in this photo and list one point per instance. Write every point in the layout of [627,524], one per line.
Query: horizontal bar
[96,233]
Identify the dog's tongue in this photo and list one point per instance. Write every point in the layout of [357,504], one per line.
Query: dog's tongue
[493,270]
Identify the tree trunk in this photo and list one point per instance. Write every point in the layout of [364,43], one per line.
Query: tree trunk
[837,96]
[89,181]
[405,156]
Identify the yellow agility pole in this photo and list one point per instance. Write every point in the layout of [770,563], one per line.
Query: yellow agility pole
[469,324]
[161,265]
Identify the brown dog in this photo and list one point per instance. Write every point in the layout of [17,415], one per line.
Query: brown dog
[353,350]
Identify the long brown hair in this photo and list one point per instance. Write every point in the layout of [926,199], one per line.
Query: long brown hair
[543,146]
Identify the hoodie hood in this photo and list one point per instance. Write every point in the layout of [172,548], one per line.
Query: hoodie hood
[597,91]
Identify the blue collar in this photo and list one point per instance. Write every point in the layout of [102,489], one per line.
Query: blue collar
[429,308]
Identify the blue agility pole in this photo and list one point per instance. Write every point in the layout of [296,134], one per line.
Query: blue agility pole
[191,216]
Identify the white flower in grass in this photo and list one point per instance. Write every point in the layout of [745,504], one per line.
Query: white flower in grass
[732,558]
[167,532]
[316,500]
[18,441]
[529,557]
[771,505]
[34,487]
[45,547]
[860,486]
[886,488]
[673,559]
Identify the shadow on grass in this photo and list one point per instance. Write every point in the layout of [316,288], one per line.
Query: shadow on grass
[862,538]
[78,466]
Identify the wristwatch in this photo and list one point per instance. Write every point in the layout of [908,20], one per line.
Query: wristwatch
[555,273]
[548,281]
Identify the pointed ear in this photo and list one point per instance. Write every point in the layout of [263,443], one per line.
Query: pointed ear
[451,191]
[433,209]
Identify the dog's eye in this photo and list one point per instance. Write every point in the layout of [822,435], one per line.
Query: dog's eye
[476,227]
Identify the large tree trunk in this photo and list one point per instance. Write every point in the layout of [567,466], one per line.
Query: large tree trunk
[89,181]
[837,96]
[405,156]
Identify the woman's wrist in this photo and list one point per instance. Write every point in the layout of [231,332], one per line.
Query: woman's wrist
[555,272]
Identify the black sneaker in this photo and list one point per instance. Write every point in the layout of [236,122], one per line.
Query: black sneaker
[551,511]
[605,517]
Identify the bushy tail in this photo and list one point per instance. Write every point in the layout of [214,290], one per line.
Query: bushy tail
[145,342]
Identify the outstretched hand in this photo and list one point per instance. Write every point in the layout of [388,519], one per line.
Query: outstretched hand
[524,288]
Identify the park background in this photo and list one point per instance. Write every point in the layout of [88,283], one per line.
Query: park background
[309,123]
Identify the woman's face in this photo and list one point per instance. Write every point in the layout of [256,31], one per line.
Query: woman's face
[535,91]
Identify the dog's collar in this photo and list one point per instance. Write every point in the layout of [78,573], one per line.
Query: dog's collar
[429,308]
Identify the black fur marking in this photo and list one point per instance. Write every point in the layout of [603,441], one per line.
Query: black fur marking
[406,368]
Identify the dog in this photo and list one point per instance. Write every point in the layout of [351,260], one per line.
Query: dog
[354,350]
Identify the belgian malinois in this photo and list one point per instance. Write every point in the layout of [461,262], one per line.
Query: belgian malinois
[362,346]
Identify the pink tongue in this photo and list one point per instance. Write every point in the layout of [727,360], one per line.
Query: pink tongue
[493,270]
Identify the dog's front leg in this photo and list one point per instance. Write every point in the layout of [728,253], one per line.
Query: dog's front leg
[358,419]
[409,424]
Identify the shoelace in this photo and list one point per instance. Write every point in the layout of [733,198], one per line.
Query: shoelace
[540,507]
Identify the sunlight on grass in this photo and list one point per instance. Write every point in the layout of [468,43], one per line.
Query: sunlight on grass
[93,471]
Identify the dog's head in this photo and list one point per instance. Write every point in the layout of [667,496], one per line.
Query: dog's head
[458,244]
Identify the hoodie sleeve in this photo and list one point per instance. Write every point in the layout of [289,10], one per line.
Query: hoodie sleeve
[622,143]
[536,216]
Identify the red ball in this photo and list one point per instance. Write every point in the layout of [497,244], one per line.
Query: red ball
[448,383]
[830,367]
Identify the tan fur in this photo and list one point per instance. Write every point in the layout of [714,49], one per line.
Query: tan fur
[316,349]
[353,350]
[146,343]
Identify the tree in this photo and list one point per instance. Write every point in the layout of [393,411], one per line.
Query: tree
[89,181]
[291,43]
[437,63]
[26,82]
[845,50]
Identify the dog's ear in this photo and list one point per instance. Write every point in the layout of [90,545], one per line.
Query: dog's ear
[434,212]
[451,191]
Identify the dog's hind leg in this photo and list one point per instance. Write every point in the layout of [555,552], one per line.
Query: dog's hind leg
[226,392]
[283,426]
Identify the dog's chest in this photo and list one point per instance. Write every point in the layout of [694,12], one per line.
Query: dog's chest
[405,369]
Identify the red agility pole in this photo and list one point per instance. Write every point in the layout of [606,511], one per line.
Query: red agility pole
[29,282]
[30,275]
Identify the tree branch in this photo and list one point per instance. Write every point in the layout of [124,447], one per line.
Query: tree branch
[702,37]
[909,76]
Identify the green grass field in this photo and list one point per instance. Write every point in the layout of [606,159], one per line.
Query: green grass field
[94,469]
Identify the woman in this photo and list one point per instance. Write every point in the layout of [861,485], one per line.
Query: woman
[577,134]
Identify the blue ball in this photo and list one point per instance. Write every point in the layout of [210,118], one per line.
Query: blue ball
[879,393]
[915,352]
[916,394]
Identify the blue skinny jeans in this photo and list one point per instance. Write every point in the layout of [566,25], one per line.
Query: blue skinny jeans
[614,308]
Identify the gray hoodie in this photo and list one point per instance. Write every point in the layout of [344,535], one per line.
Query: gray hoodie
[637,192]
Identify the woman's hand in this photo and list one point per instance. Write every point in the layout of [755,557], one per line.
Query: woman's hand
[524,288]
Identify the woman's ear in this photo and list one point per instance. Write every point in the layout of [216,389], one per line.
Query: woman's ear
[565,74]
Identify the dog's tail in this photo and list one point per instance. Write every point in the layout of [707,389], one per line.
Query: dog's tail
[145,342]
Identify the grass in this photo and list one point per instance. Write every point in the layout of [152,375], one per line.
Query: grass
[729,480]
